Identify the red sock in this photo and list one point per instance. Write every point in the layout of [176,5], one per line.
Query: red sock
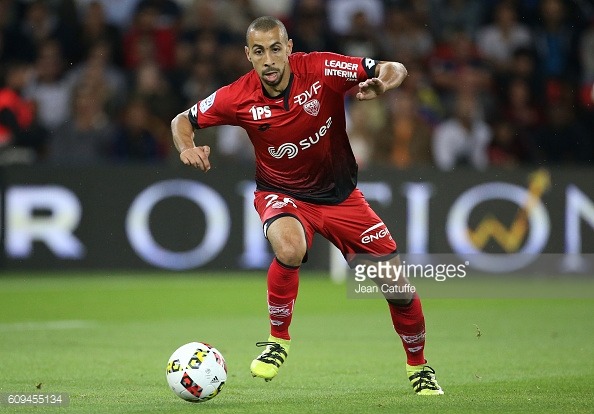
[409,323]
[283,283]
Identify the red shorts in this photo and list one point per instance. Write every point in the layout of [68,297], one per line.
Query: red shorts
[352,226]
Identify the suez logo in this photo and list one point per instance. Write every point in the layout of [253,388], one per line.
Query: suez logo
[372,233]
[291,150]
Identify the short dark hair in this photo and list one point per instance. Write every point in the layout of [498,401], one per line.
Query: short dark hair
[264,24]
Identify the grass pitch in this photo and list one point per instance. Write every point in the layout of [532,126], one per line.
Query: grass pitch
[105,340]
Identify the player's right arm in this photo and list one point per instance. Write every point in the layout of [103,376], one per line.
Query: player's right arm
[183,138]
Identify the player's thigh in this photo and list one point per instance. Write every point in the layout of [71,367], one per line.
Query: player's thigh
[285,225]
[356,229]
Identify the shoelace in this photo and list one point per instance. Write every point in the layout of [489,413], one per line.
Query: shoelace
[275,355]
[426,379]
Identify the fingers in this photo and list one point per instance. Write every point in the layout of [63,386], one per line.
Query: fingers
[371,82]
[369,89]
[196,157]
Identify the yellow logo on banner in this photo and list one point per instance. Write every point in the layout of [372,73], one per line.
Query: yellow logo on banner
[510,238]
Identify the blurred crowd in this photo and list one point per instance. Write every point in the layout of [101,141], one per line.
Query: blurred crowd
[494,83]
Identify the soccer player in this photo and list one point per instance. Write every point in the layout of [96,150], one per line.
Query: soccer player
[292,107]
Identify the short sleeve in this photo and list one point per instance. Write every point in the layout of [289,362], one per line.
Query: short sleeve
[342,72]
[216,109]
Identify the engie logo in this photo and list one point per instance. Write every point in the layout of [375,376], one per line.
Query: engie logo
[372,233]
[291,150]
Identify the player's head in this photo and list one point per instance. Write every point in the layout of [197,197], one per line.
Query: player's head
[268,48]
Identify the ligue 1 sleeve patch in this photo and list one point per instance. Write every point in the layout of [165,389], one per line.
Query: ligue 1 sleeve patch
[206,103]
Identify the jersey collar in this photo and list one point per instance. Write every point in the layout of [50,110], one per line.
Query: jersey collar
[284,94]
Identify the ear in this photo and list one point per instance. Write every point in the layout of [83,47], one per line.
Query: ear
[289,47]
[247,53]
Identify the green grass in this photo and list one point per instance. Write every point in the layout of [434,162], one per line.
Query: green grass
[105,339]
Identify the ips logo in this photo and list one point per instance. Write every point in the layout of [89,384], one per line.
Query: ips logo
[520,239]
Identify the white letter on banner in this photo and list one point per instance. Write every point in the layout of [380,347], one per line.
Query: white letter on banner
[216,234]
[61,215]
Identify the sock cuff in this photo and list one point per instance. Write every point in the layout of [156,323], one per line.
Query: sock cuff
[415,297]
[286,266]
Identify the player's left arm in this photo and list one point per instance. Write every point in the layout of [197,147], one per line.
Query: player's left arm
[388,75]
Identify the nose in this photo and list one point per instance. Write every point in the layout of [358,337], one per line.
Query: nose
[268,59]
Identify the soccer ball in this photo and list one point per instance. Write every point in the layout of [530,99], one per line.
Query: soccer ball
[196,372]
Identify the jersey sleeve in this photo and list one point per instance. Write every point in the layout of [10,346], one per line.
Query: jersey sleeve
[342,72]
[216,109]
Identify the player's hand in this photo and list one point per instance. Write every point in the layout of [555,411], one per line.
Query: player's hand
[196,157]
[370,89]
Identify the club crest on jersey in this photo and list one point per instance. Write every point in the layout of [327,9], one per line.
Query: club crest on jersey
[312,107]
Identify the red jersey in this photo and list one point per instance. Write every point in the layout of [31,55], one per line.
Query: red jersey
[299,137]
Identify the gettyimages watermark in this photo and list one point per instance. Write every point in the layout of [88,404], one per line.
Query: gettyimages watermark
[455,276]
[393,278]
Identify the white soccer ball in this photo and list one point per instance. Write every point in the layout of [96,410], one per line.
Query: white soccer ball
[196,372]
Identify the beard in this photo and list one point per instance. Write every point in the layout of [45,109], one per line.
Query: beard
[273,82]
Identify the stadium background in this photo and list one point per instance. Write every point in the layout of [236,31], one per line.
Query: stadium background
[89,89]
[112,254]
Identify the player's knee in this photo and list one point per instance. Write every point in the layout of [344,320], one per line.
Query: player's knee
[290,251]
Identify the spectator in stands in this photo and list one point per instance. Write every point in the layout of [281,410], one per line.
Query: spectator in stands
[234,16]
[152,87]
[365,122]
[147,41]
[523,66]
[117,12]
[49,86]
[310,27]
[586,45]
[85,139]
[340,14]
[22,140]
[497,42]
[463,139]
[556,43]
[169,12]
[448,17]
[425,97]
[99,73]
[520,109]
[405,37]
[410,134]
[564,139]
[280,9]
[134,138]
[362,38]
[202,81]
[94,29]
[40,24]
[456,67]
[504,151]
